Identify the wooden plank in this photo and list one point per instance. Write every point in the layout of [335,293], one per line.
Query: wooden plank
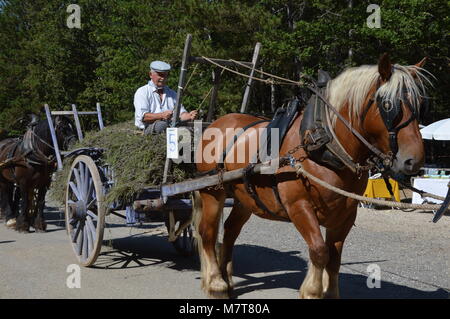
[54,139]
[208,181]
[99,115]
[246,98]
[77,122]
[62,112]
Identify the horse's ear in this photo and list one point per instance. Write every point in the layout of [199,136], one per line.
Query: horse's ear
[57,120]
[385,67]
[421,63]
[34,119]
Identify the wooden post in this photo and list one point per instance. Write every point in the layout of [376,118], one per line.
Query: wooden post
[272,98]
[77,122]
[176,114]
[54,139]
[214,93]
[99,114]
[250,80]
[182,79]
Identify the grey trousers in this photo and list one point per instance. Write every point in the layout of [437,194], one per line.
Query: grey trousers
[156,127]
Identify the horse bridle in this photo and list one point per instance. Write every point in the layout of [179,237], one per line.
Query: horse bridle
[46,160]
[67,139]
[390,111]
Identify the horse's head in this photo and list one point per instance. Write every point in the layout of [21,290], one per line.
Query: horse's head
[383,102]
[393,113]
[65,132]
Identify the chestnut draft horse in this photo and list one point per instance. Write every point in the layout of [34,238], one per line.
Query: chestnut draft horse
[25,173]
[308,205]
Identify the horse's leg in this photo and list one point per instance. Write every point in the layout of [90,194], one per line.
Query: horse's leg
[6,204]
[39,221]
[23,220]
[232,228]
[212,207]
[335,242]
[305,220]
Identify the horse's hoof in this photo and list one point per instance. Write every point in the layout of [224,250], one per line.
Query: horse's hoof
[218,289]
[11,223]
[218,294]
[41,228]
[24,229]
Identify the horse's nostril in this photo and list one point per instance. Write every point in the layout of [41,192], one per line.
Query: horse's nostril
[412,165]
[409,162]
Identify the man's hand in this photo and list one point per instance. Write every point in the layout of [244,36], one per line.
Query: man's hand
[185,116]
[166,115]
[193,115]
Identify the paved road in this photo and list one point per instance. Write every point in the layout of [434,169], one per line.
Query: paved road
[270,261]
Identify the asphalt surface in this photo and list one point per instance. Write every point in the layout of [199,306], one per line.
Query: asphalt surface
[270,260]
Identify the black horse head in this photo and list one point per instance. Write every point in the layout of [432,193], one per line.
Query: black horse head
[39,134]
[65,132]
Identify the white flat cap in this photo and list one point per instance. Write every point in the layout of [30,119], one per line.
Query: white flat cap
[160,66]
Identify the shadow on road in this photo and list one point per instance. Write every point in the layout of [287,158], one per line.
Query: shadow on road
[258,266]
[249,259]
[143,251]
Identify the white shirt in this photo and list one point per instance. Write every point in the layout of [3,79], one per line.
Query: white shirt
[147,99]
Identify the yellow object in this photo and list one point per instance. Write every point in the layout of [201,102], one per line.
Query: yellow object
[376,188]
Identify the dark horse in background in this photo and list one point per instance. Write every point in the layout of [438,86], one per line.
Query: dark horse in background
[355,94]
[25,175]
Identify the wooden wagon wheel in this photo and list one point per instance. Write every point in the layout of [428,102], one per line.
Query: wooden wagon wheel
[185,242]
[85,210]
[181,227]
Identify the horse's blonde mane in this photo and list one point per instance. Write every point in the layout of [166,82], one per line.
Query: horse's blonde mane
[353,85]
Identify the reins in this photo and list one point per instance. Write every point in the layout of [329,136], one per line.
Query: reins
[386,159]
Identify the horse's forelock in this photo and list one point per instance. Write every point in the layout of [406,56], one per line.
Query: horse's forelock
[354,84]
[411,79]
[352,87]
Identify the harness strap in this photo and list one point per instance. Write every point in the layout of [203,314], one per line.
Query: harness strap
[372,148]
[251,190]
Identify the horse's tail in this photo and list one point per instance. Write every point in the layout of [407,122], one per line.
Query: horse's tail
[197,209]
[197,212]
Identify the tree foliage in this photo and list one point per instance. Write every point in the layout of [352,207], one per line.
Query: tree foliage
[44,61]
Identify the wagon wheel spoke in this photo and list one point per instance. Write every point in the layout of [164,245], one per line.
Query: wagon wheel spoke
[89,190]
[90,240]
[77,231]
[87,180]
[91,203]
[85,243]
[92,216]
[75,190]
[91,226]
[77,183]
[80,241]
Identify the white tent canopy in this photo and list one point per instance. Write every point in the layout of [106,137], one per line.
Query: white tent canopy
[439,130]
